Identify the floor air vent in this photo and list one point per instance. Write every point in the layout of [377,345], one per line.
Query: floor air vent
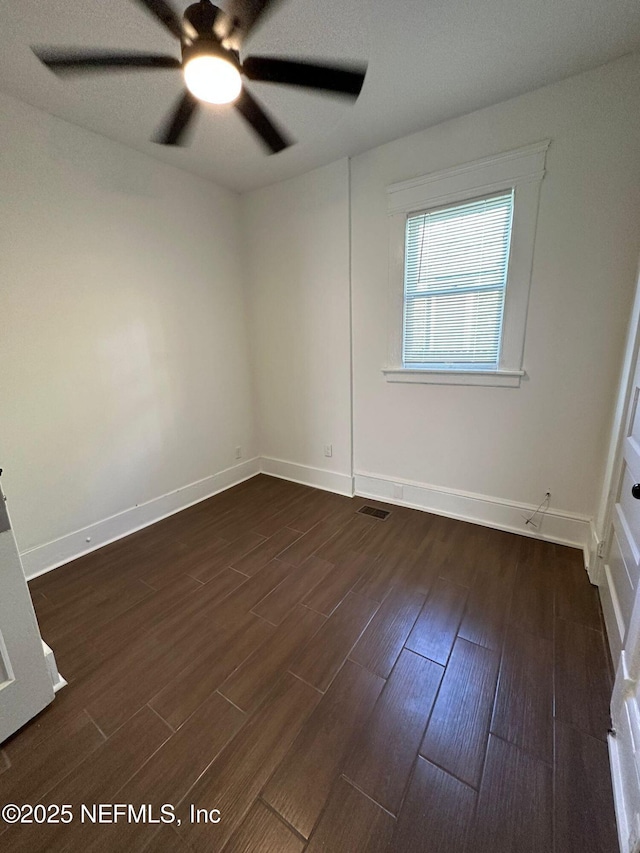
[375,513]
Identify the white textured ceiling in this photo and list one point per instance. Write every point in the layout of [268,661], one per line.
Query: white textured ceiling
[428,60]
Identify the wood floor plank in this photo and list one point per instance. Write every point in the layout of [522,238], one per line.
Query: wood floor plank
[44,607]
[461,563]
[457,734]
[246,596]
[169,774]
[96,780]
[280,601]
[97,607]
[487,608]
[105,641]
[173,769]
[338,581]
[105,771]
[130,679]
[228,555]
[381,761]
[234,780]
[258,558]
[261,511]
[533,594]
[435,630]
[139,671]
[583,686]
[183,694]
[44,727]
[424,566]
[318,508]
[35,771]
[436,814]
[263,832]
[382,641]
[276,520]
[501,552]
[159,567]
[351,822]
[219,605]
[203,600]
[384,575]
[166,840]
[311,541]
[329,648]
[79,576]
[391,536]
[301,785]
[583,787]
[523,712]
[576,598]
[251,682]
[149,613]
[348,538]
[515,806]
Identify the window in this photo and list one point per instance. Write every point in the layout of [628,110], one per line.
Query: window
[456,261]
[461,250]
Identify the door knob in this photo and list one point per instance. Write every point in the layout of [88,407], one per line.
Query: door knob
[635,491]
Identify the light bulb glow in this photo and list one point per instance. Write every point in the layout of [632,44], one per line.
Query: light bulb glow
[212,79]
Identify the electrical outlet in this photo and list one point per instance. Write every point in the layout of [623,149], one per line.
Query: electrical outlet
[328,450]
[238,453]
[398,490]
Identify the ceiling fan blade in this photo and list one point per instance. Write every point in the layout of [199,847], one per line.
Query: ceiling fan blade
[176,125]
[244,15]
[164,13]
[71,61]
[330,78]
[253,112]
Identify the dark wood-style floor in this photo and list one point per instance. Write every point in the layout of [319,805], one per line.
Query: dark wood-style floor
[328,681]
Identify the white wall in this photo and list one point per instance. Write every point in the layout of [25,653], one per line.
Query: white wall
[297,269]
[551,432]
[508,444]
[123,346]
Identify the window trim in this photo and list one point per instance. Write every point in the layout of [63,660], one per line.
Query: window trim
[521,170]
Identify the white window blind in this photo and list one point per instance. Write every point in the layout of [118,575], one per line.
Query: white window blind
[456,261]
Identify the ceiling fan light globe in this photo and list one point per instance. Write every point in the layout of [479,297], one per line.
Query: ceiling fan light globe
[212,79]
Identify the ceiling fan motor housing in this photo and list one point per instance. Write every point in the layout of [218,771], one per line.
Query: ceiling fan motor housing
[209,46]
[202,17]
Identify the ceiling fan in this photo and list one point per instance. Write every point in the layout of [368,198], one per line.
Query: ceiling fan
[210,40]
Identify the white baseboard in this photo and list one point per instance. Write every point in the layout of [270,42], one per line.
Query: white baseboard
[57,681]
[307,475]
[592,561]
[563,527]
[43,558]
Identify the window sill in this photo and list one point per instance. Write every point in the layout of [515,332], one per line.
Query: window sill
[503,378]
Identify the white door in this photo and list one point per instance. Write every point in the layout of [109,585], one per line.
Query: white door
[622,549]
[25,683]
[620,595]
